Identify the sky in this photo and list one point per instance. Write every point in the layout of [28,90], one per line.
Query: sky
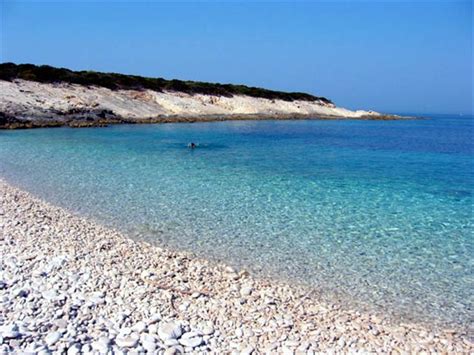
[398,57]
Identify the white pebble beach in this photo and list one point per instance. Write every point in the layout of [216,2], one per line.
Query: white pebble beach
[69,285]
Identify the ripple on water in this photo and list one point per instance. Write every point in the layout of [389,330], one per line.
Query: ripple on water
[356,209]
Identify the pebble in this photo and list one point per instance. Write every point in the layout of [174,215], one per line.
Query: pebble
[207,330]
[191,342]
[74,349]
[127,341]
[139,327]
[171,342]
[169,330]
[271,347]
[97,298]
[246,291]
[52,338]
[150,347]
[50,295]
[246,350]
[70,286]
[341,342]
[170,351]
[102,346]
[86,348]
[20,292]
[10,331]
[155,318]
[230,270]
[153,329]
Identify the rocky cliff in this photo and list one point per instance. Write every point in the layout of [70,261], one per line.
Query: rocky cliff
[32,96]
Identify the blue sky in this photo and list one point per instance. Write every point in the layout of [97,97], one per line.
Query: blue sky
[388,56]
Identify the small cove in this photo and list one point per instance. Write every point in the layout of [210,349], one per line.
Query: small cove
[378,212]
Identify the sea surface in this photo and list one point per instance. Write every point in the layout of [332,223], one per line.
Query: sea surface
[376,214]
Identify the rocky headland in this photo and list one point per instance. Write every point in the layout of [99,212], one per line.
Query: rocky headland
[43,96]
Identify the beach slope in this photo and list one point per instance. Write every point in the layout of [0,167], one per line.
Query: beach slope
[68,284]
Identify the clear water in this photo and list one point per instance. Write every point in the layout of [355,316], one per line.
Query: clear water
[379,214]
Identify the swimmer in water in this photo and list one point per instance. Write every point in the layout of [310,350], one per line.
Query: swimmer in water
[192,145]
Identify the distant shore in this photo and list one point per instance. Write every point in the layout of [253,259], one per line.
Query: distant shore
[43,96]
[75,121]
[68,284]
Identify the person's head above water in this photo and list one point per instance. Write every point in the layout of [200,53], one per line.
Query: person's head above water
[192,145]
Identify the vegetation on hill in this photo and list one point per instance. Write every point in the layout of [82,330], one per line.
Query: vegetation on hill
[113,81]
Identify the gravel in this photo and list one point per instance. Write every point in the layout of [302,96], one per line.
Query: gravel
[69,285]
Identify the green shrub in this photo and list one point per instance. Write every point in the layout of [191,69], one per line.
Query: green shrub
[113,81]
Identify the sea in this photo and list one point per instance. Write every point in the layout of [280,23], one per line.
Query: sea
[377,215]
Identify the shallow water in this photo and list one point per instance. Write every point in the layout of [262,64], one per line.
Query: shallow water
[379,214]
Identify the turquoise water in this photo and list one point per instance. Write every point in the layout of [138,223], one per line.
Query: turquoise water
[377,214]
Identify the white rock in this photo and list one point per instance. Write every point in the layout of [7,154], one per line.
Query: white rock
[246,291]
[56,263]
[30,348]
[74,349]
[246,350]
[20,292]
[303,346]
[207,329]
[230,270]
[127,341]
[190,334]
[341,342]
[155,318]
[102,346]
[147,338]
[139,327]
[184,306]
[153,328]
[97,298]
[150,347]
[191,342]
[10,331]
[169,330]
[171,342]
[52,338]
[271,347]
[50,295]
[125,331]
[38,98]
[86,348]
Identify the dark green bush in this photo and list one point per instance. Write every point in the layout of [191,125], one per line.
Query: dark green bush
[113,81]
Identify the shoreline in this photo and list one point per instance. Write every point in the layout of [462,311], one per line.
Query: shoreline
[69,283]
[76,122]
[30,104]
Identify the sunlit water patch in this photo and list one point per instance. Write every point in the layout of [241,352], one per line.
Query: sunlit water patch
[379,214]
